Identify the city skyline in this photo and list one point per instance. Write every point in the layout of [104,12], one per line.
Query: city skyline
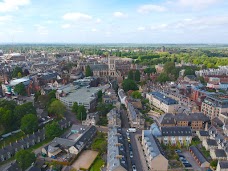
[114,21]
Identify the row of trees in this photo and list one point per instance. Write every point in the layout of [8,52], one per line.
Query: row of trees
[11,114]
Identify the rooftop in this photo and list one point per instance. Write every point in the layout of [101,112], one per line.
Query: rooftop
[176,131]
[80,94]
[153,143]
[163,98]
[198,154]
[223,164]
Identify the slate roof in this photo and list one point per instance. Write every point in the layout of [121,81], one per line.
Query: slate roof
[220,153]
[223,164]
[204,133]
[163,98]
[211,142]
[192,117]
[13,167]
[167,118]
[86,137]
[198,154]
[132,111]
[176,131]
[153,143]
[99,67]
[115,137]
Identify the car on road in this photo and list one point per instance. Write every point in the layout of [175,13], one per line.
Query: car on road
[131,154]
[130,147]
[134,168]
[131,130]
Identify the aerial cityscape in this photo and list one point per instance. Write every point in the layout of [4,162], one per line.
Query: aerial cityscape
[114,85]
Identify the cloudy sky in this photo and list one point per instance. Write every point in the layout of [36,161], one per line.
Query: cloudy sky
[114,21]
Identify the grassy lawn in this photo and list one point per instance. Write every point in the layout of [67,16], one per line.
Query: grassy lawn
[100,143]
[98,163]
[205,152]
[195,141]
[11,139]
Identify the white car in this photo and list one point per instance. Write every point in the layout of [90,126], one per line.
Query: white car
[134,168]
[131,154]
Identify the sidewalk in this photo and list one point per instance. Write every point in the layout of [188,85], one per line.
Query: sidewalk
[141,154]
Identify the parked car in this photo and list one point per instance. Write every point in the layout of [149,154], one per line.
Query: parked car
[178,151]
[131,154]
[130,147]
[181,158]
[180,155]
[187,165]
[184,161]
[134,168]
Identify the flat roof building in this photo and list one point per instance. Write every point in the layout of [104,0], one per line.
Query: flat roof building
[86,96]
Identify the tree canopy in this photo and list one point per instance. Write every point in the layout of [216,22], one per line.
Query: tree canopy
[149,70]
[130,75]
[57,108]
[88,71]
[99,96]
[75,107]
[16,71]
[137,75]
[129,85]
[136,95]
[52,130]
[29,123]
[25,158]
[81,113]
[20,89]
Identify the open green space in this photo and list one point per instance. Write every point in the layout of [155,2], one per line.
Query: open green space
[98,163]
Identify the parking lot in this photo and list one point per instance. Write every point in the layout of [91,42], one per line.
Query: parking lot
[192,161]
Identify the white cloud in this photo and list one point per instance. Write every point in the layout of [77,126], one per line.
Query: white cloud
[108,33]
[119,14]
[66,26]
[159,27]
[12,5]
[94,30]
[42,30]
[77,16]
[141,28]
[151,8]
[197,4]
[98,20]
[5,18]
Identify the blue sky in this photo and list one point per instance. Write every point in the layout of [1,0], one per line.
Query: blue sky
[114,21]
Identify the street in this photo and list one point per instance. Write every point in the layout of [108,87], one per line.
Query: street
[136,157]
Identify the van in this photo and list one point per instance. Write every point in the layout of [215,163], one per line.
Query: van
[131,130]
